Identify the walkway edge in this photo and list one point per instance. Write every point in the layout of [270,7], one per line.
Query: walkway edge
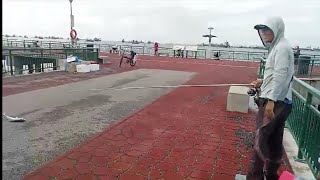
[291,149]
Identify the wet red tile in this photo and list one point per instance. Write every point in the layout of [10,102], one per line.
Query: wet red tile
[100,161]
[37,177]
[84,168]
[223,176]
[201,174]
[51,171]
[131,176]
[65,163]
[86,177]
[171,175]
[139,169]
[68,174]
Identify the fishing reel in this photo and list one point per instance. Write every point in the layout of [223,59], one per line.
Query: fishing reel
[252,91]
[255,92]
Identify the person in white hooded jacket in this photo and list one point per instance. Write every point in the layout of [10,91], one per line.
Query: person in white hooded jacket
[275,100]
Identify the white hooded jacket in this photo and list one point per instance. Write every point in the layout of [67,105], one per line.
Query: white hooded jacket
[279,67]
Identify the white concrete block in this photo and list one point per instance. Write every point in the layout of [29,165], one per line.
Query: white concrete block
[94,67]
[105,59]
[82,68]
[62,63]
[238,99]
[71,67]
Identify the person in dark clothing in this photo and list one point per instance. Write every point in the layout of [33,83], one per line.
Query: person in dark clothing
[129,58]
[216,55]
[156,49]
[275,101]
[297,52]
[179,52]
[296,55]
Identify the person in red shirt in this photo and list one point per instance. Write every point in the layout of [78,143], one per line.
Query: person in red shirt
[156,46]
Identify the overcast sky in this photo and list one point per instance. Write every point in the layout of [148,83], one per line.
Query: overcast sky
[165,21]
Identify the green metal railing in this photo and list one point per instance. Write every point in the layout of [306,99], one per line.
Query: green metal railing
[163,51]
[304,123]
[305,66]
[29,60]
[239,55]
[147,50]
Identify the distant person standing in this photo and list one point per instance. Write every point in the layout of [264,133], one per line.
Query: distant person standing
[297,52]
[114,49]
[296,55]
[156,48]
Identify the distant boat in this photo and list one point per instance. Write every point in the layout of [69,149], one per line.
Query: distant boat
[203,44]
[97,39]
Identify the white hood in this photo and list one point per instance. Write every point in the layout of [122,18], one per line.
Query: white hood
[279,67]
[276,24]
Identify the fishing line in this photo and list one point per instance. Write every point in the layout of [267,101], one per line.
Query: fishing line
[165,86]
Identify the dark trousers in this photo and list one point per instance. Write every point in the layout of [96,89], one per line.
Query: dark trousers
[271,136]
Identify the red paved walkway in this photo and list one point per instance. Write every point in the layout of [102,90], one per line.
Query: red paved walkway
[186,134]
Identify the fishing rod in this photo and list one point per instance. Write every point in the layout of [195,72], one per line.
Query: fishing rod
[166,86]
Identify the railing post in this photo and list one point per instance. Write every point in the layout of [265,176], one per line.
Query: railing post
[42,64]
[83,51]
[306,115]
[11,62]
[24,45]
[261,69]
[248,55]
[311,68]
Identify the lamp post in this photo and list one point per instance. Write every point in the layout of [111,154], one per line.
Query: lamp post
[210,36]
[71,19]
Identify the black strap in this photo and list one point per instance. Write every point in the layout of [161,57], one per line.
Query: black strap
[290,82]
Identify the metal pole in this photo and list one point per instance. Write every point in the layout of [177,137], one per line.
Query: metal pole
[70,14]
[11,62]
[71,19]
[210,36]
